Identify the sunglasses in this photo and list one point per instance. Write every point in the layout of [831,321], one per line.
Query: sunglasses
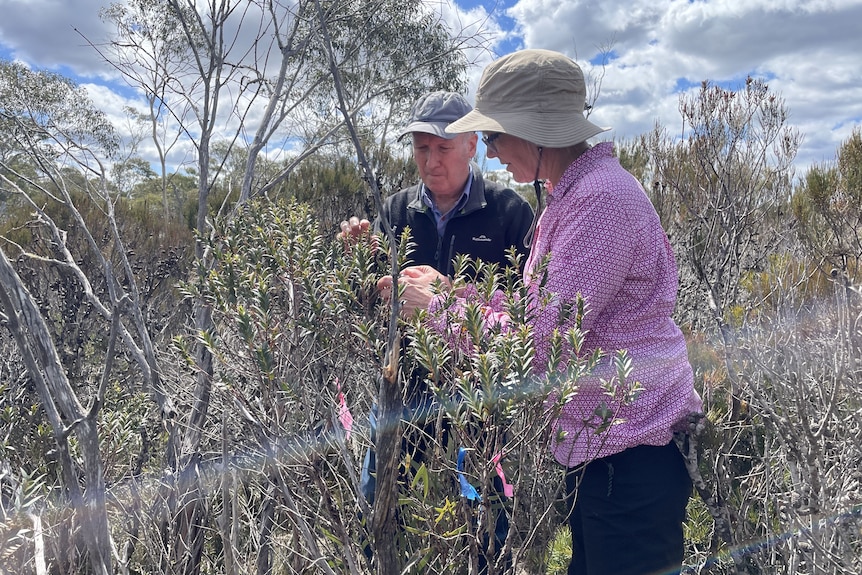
[489,138]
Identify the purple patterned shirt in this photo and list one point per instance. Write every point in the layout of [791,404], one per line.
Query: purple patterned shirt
[606,243]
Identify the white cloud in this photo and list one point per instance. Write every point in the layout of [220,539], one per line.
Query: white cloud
[55,33]
[482,28]
[808,52]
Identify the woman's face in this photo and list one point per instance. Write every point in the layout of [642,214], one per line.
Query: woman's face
[519,156]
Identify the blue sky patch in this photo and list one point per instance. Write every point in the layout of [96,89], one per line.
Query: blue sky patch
[604,58]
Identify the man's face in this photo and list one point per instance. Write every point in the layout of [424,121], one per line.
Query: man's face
[444,164]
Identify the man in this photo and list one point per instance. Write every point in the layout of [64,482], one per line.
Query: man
[453,210]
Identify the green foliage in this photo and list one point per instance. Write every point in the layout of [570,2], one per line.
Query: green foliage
[376,44]
[129,434]
[25,439]
[634,157]
[37,107]
[828,206]
[722,193]
[560,552]
[333,185]
[295,324]
[127,175]
[497,401]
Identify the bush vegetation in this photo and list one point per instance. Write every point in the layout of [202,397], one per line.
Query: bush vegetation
[190,359]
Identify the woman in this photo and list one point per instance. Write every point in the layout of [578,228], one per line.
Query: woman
[606,243]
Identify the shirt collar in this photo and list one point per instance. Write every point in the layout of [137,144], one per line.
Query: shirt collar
[582,165]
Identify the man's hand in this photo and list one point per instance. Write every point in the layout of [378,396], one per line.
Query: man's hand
[417,287]
[422,275]
[352,229]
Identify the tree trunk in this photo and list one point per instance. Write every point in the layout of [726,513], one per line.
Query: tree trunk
[61,404]
[388,446]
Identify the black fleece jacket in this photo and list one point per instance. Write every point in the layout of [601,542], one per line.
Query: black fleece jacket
[494,219]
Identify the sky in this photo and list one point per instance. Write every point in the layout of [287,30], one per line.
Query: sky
[646,52]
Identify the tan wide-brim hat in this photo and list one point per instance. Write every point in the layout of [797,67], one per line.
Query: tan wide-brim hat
[536,95]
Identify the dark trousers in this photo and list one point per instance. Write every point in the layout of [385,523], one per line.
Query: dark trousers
[627,512]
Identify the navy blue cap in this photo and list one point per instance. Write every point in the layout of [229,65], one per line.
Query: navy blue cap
[434,111]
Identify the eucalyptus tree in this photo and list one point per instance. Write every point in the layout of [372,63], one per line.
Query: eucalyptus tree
[64,270]
[149,57]
[255,75]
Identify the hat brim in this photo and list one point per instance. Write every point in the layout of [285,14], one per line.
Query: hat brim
[436,128]
[550,130]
